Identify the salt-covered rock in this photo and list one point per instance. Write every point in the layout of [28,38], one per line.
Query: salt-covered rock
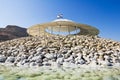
[26,65]
[49,56]
[24,61]
[79,56]
[32,64]
[69,52]
[19,63]
[106,63]
[60,56]
[10,59]
[60,60]
[69,59]
[81,61]
[39,49]
[36,58]
[39,64]
[45,60]
[9,52]
[55,65]
[39,61]
[78,47]
[23,56]
[46,63]
[2,58]
[68,64]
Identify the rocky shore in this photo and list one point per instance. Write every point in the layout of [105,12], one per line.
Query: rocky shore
[58,51]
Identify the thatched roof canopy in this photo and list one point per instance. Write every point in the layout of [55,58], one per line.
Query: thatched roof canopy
[84,29]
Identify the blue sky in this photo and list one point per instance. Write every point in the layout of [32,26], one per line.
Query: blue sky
[102,14]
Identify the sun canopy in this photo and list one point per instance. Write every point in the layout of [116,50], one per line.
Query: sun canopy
[62,25]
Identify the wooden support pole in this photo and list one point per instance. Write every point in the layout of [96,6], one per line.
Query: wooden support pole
[68,30]
[76,31]
[39,31]
[59,34]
